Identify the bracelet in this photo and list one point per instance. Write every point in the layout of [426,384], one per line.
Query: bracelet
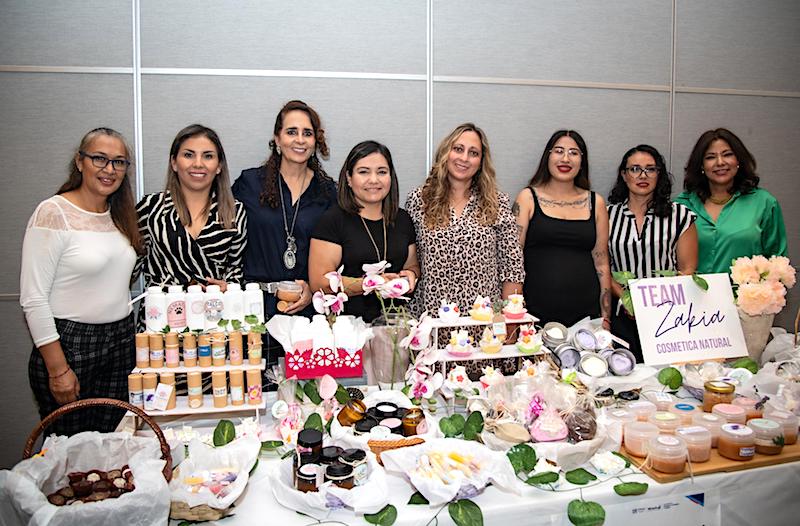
[62,374]
[416,276]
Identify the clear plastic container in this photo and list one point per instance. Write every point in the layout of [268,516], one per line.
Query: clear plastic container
[637,435]
[736,442]
[769,436]
[621,415]
[642,409]
[667,453]
[667,422]
[788,420]
[662,400]
[717,392]
[685,411]
[749,405]
[710,422]
[733,414]
[698,442]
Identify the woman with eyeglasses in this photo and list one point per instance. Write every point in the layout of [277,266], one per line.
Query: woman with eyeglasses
[735,217]
[648,233]
[79,250]
[563,228]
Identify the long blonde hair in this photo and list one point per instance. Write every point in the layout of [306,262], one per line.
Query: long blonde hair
[226,206]
[436,190]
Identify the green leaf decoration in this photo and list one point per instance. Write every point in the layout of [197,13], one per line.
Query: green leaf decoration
[385,517]
[251,319]
[627,489]
[418,498]
[314,421]
[623,457]
[579,477]
[464,512]
[406,389]
[341,395]
[224,433]
[270,445]
[310,389]
[473,426]
[665,273]
[627,301]
[522,458]
[623,277]
[584,513]
[548,477]
[452,426]
[700,281]
[260,328]
[166,329]
[746,363]
[236,324]
[670,377]
[779,440]
[328,426]
[222,323]
[288,454]
[255,465]
[298,392]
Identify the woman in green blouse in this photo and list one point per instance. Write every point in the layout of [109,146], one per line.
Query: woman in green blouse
[735,217]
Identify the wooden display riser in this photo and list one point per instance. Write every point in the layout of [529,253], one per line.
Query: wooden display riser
[718,463]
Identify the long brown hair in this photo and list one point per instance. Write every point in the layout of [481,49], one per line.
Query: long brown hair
[120,203]
[272,167]
[221,186]
[436,190]
[695,179]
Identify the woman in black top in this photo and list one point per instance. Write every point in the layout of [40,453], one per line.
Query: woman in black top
[564,233]
[366,227]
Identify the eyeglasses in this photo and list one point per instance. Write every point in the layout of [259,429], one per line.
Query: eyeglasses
[572,152]
[636,170]
[101,161]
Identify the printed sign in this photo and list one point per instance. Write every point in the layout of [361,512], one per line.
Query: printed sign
[680,322]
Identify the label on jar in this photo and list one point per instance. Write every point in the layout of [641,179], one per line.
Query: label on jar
[218,352]
[668,441]
[619,413]
[692,429]
[665,417]
[156,354]
[237,393]
[136,398]
[149,399]
[190,353]
[765,442]
[204,350]
[747,451]
[220,391]
[142,354]
[254,352]
[195,391]
[663,397]
[360,474]
[642,404]
[684,407]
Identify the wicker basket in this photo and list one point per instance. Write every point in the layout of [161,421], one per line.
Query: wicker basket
[379,446]
[89,402]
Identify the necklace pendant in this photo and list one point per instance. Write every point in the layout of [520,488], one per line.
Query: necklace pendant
[289,259]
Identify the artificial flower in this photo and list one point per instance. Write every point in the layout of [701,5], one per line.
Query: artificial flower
[372,282]
[373,269]
[395,288]
[744,271]
[419,333]
[781,270]
[335,279]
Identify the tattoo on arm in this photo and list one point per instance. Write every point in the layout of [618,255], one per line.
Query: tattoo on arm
[605,303]
[515,209]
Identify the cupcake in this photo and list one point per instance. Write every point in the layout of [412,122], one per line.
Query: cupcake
[526,370]
[490,343]
[481,309]
[515,308]
[491,376]
[461,344]
[526,343]
[449,312]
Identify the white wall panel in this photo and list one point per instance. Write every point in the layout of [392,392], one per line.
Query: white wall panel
[66,33]
[350,35]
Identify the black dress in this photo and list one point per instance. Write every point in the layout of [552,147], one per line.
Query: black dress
[560,277]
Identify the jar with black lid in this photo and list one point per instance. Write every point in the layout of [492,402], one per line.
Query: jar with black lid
[309,441]
[363,427]
[385,410]
[357,459]
[340,474]
[307,478]
[330,454]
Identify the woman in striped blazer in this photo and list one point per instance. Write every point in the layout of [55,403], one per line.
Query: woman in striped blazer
[647,231]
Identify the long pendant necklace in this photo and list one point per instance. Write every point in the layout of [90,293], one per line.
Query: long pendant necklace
[290,255]
[374,244]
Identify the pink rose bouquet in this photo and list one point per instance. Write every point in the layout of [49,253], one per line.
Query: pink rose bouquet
[760,283]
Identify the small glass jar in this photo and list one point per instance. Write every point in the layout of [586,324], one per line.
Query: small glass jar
[330,454]
[352,412]
[717,392]
[385,410]
[749,406]
[621,415]
[685,411]
[710,422]
[769,436]
[637,435]
[356,459]
[394,424]
[414,422]
[306,477]
[309,441]
[736,442]
[698,442]
[667,453]
[733,414]
[642,409]
[789,421]
[289,291]
[364,426]
[340,474]
[666,422]
[662,400]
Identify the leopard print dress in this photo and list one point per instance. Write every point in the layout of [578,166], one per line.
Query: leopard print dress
[464,260]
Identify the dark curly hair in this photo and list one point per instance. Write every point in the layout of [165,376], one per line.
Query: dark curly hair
[695,180]
[543,175]
[272,166]
[660,202]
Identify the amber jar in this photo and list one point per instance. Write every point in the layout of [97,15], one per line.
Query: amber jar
[307,477]
[356,459]
[340,474]
[352,413]
[310,441]
[736,442]
[717,392]
[412,421]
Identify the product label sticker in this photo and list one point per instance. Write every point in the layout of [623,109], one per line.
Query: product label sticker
[237,393]
[156,354]
[218,352]
[136,398]
[668,440]
[142,354]
[161,396]
[747,451]
[254,392]
[190,353]
[220,391]
[684,407]
[254,353]
[665,417]
[193,391]
[737,429]
[149,399]
[663,397]
[692,429]
[204,350]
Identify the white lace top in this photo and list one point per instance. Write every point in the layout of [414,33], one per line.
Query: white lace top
[76,265]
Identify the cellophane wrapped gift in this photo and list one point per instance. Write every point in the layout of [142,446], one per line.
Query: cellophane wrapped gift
[24,489]
[315,348]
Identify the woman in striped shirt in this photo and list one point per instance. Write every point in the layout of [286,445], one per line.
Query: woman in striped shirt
[647,232]
[193,231]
